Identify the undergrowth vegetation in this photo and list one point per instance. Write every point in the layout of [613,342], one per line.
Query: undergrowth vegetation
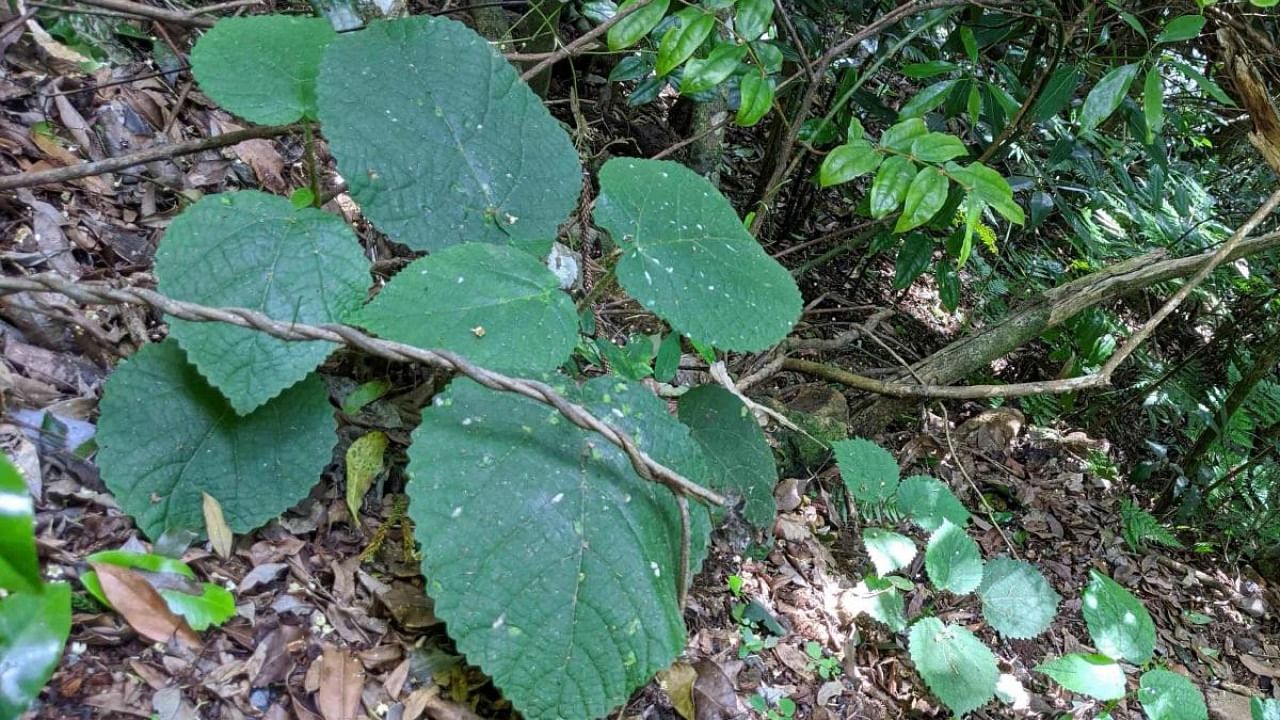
[560,508]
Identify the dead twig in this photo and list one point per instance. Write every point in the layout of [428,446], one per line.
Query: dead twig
[158,152]
[581,43]
[151,12]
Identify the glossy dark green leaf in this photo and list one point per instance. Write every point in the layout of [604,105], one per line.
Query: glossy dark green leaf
[1183,27]
[937,147]
[681,41]
[1057,93]
[913,258]
[1106,96]
[705,73]
[263,67]
[890,185]
[33,629]
[948,283]
[847,162]
[1205,84]
[667,361]
[929,69]
[991,188]
[927,99]
[901,136]
[739,458]
[632,67]
[751,18]
[19,565]
[756,94]
[925,197]
[1153,101]
[631,29]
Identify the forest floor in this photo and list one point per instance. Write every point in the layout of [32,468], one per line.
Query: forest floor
[327,610]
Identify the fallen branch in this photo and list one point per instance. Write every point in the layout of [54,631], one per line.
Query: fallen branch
[1108,284]
[151,12]
[151,154]
[645,466]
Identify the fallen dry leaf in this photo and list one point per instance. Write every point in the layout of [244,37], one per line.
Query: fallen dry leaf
[142,607]
[215,524]
[678,681]
[341,680]
[714,694]
[1258,667]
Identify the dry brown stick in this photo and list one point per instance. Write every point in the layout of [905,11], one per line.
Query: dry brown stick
[148,11]
[587,38]
[158,152]
[644,465]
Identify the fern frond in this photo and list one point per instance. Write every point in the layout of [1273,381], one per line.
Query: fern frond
[1141,528]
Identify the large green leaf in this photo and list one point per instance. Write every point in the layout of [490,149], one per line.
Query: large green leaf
[705,73]
[1119,625]
[955,665]
[1153,101]
[19,566]
[496,305]
[263,68]
[938,147]
[631,29]
[888,551]
[751,18]
[1106,96]
[552,562]
[682,40]
[1016,599]
[880,600]
[740,460]
[1166,695]
[927,502]
[257,465]
[756,98]
[953,560]
[890,185]
[440,141]
[869,471]
[33,629]
[1057,93]
[1097,676]
[927,99]
[252,250]
[848,161]
[925,196]
[687,257]
[1183,27]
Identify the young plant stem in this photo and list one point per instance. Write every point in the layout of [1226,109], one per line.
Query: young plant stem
[313,171]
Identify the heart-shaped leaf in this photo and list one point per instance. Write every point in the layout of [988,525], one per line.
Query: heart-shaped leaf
[888,551]
[927,502]
[1016,599]
[496,305]
[439,140]
[869,471]
[953,560]
[687,257]
[257,465]
[1166,695]
[263,67]
[253,250]
[957,667]
[1119,625]
[543,548]
[740,461]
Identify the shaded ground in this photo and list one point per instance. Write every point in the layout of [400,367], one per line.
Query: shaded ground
[328,611]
